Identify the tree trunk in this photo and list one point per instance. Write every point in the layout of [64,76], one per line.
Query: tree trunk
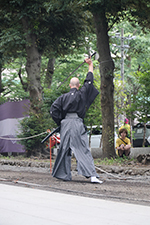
[24,84]
[49,73]
[90,134]
[144,135]
[107,86]
[33,64]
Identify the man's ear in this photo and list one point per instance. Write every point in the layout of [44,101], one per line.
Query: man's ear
[70,85]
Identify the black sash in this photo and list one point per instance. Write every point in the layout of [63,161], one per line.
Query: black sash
[123,141]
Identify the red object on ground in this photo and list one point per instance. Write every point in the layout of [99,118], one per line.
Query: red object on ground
[52,141]
[55,139]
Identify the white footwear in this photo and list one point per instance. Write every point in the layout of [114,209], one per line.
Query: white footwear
[95,180]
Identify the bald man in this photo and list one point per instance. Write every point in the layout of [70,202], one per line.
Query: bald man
[74,83]
[68,111]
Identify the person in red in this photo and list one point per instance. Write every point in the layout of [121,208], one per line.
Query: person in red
[68,111]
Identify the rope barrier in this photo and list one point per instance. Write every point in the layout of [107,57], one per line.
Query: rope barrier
[17,139]
[110,174]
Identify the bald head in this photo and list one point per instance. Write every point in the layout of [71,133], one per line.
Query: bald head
[74,83]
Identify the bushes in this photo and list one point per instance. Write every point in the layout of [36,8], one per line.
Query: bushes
[36,123]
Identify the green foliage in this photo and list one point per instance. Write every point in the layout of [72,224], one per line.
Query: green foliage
[2,100]
[120,97]
[140,101]
[33,125]
[116,10]
[49,28]
[138,42]
[135,57]
[144,78]
[56,28]
[12,88]
[118,161]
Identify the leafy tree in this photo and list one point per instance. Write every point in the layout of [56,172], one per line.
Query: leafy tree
[139,97]
[105,15]
[41,28]
[11,82]
[134,56]
[144,93]
[34,125]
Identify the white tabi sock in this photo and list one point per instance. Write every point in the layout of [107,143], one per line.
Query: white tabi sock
[95,180]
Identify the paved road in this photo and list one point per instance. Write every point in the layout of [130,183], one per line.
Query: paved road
[29,206]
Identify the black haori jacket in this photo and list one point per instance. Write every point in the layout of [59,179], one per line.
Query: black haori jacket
[75,101]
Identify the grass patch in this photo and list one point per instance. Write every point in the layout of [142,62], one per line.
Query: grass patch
[115,161]
[23,158]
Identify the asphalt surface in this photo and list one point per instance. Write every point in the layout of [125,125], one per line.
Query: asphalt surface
[24,205]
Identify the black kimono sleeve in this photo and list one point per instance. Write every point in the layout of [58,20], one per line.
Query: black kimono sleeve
[56,111]
[89,89]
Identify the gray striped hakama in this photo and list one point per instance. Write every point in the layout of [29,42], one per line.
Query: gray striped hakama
[73,138]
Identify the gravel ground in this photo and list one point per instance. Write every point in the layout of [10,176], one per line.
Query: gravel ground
[121,183]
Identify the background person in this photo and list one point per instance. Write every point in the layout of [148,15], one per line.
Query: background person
[68,111]
[123,144]
[126,126]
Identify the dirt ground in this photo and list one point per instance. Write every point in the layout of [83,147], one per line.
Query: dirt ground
[126,184]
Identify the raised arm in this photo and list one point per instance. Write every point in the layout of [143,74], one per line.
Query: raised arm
[90,63]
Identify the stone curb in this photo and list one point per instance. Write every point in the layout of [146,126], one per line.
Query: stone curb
[127,170]
[23,163]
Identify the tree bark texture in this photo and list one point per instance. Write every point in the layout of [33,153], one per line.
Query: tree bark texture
[49,73]
[107,86]
[33,64]
[144,135]
[24,84]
